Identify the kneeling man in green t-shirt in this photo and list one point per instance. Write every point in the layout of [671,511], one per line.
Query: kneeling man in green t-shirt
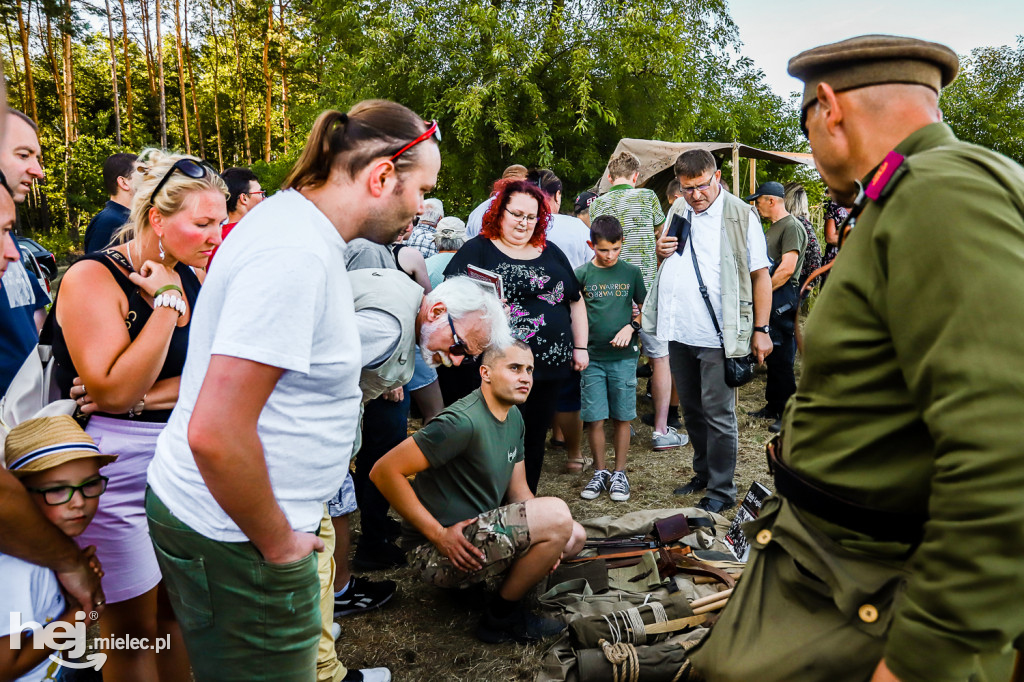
[469,514]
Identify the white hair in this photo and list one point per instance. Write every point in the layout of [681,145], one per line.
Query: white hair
[463,297]
[433,211]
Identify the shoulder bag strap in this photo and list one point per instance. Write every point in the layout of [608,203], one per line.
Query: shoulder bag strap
[704,294]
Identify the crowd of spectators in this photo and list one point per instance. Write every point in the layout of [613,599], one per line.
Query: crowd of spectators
[202,490]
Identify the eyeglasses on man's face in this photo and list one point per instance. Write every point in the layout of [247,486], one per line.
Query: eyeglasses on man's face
[458,348]
[62,494]
[702,187]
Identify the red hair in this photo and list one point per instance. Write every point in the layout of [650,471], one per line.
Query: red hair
[491,228]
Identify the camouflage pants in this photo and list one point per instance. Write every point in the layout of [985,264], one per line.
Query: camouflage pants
[501,534]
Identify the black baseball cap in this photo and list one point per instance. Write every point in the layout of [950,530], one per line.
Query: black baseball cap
[583,201]
[768,189]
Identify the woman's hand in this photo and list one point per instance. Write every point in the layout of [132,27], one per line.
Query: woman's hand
[80,394]
[153,276]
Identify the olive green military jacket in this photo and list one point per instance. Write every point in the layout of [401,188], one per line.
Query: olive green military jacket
[912,396]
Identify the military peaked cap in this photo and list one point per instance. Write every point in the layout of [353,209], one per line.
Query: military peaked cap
[874,60]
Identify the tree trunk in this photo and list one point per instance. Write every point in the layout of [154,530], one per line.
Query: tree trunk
[192,89]
[268,80]
[127,70]
[160,68]
[69,124]
[113,75]
[24,27]
[181,76]
[240,84]
[150,69]
[216,86]
[14,76]
[282,42]
[51,57]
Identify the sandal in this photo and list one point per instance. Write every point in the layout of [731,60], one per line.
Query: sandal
[575,466]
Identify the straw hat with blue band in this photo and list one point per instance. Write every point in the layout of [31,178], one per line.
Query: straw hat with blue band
[40,444]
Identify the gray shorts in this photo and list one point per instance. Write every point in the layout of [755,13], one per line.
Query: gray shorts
[653,347]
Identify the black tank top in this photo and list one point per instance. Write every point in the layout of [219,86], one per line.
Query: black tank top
[138,314]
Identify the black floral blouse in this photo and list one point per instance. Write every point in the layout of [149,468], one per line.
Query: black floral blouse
[538,293]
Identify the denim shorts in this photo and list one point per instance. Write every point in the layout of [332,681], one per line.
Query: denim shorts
[609,390]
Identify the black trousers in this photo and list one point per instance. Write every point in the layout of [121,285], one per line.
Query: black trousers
[781,380]
[384,426]
[538,411]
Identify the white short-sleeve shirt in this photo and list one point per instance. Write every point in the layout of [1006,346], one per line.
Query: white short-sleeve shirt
[682,314]
[571,235]
[278,295]
[33,594]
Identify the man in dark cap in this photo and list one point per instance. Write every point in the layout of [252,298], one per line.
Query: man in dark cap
[787,241]
[894,549]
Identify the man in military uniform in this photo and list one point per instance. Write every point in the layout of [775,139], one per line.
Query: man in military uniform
[469,514]
[895,548]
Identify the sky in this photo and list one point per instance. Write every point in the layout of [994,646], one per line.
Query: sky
[774,31]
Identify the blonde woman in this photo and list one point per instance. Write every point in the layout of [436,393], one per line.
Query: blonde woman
[122,330]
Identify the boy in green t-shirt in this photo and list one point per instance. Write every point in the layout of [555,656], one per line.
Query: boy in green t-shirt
[610,288]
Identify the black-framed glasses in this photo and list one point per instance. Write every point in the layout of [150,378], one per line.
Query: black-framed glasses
[522,217]
[432,131]
[459,347]
[701,188]
[62,494]
[192,169]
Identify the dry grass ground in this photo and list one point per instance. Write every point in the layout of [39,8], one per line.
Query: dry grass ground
[426,635]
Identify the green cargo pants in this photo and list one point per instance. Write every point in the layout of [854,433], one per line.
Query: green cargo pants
[242,618]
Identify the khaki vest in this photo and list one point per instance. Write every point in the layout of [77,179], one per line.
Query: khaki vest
[394,292]
[737,290]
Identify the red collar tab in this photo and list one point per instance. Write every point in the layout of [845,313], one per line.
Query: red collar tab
[892,162]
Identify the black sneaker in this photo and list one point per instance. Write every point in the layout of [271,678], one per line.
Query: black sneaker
[392,529]
[520,626]
[378,556]
[696,485]
[364,595]
[765,413]
[673,419]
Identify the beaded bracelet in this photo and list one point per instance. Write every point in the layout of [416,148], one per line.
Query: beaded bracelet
[169,301]
[168,287]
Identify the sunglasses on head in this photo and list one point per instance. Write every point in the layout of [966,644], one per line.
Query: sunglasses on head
[459,347]
[193,169]
[432,131]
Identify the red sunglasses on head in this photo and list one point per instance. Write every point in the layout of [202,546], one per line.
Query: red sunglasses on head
[431,131]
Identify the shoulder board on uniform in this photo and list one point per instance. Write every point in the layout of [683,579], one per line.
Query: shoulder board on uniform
[886,177]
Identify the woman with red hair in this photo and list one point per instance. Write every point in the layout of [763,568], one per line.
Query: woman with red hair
[543,296]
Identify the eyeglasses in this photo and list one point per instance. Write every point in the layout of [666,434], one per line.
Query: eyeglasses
[459,347]
[432,131]
[192,169]
[59,495]
[701,188]
[262,192]
[521,217]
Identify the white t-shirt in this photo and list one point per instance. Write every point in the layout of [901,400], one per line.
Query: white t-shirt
[475,221]
[682,314]
[571,236]
[34,593]
[280,296]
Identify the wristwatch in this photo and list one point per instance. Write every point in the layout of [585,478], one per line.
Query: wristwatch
[764,329]
[635,325]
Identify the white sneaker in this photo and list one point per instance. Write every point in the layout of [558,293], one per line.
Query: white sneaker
[668,440]
[335,631]
[619,489]
[598,484]
[376,675]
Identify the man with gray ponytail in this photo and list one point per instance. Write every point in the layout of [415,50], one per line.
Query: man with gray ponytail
[268,408]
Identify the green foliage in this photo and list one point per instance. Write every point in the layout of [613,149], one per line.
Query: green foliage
[551,83]
[985,104]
